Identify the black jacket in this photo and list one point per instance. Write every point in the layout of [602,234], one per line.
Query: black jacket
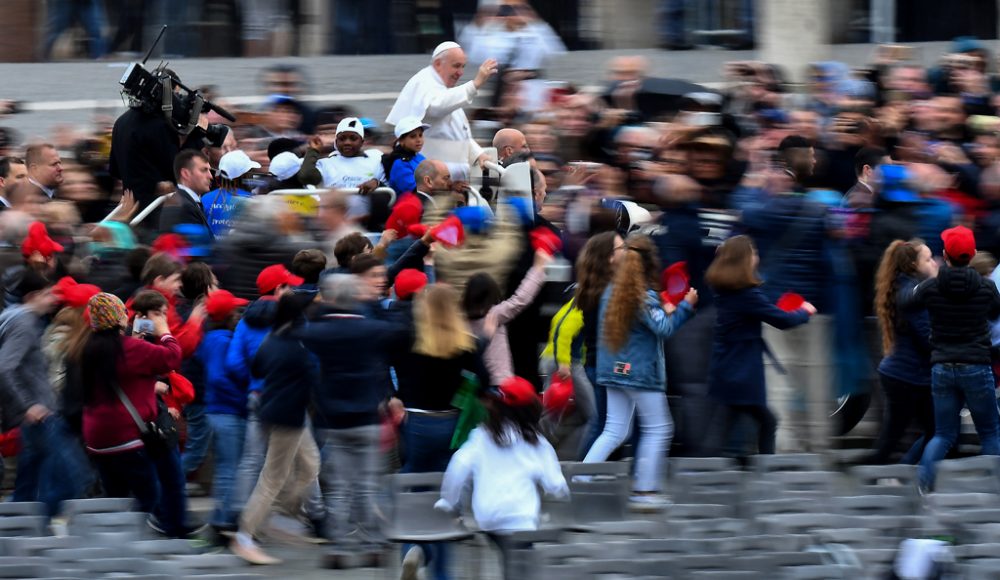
[143,148]
[289,372]
[961,303]
[182,209]
[353,353]
[246,250]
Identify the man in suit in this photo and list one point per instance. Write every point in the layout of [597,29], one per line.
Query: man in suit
[45,168]
[865,163]
[194,179]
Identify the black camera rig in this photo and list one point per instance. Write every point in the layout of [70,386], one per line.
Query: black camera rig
[161,92]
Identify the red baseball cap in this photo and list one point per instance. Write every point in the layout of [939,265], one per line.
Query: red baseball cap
[38,240]
[274,276]
[959,243]
[221,303]
[409,282]
[72,294]
[518,392]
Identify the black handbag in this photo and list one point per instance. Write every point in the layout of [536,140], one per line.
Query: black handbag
[158,435]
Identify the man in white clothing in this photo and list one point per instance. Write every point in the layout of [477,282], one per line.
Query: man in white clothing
[433,94]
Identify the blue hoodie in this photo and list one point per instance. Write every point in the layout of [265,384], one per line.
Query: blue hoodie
[401,177]
[224,393]
[250,332]
[219,206]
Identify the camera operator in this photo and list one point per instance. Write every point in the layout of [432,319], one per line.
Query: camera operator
[144,143]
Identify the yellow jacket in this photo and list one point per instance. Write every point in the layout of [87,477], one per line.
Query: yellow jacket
[566,326]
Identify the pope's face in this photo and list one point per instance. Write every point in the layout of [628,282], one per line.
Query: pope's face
[451,66]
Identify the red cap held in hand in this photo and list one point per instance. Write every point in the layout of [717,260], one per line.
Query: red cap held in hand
[556,398]
[517,392]
[545,240]
[790,302]
[405,213]
[38,240]
[221,304]
[959,243]
[450,232]
[417,230]
[676,283]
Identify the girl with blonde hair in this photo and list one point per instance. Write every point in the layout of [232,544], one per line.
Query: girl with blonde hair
[429,374]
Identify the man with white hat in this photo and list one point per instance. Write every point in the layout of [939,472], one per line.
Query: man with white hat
[220,203]
[434,95]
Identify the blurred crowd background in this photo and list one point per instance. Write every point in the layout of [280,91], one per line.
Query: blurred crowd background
[215,28]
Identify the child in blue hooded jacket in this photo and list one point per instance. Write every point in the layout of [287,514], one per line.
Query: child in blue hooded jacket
[225,402]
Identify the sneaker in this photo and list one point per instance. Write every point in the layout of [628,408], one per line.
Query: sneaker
[244,547]
[412,563]
[317,530]
[648,502]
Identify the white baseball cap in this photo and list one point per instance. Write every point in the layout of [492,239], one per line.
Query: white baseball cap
[236,164]
[351,125]
[407,124]
[285,165]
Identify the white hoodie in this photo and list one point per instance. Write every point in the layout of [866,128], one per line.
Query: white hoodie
[505,481]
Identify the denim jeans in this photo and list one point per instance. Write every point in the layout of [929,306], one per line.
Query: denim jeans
[172,508]
[427,444]
[51,466]
[63,13]
[596,424]
[230,432]
[199,437]
[656,430]
[955,385]
[349,477]
[252,462]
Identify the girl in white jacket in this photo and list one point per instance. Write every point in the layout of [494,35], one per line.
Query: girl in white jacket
[508,461]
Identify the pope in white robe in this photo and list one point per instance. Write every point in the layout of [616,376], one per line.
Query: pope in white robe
[434,95]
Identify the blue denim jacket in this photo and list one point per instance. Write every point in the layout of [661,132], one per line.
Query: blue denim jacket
[640,363]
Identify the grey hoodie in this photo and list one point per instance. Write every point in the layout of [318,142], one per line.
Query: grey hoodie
[24,379]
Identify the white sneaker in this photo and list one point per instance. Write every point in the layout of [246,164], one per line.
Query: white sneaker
[412,563]
[648,502]
[244,547]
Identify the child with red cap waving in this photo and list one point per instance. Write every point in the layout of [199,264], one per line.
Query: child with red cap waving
[507,460]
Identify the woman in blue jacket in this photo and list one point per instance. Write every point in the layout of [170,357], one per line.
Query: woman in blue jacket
[905,372]
[736,369]
[630,364]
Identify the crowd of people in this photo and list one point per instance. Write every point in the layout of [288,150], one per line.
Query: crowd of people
[320,301]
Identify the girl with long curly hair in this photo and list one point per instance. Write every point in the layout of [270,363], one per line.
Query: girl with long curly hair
[905,372]
[594,269]
[631,366]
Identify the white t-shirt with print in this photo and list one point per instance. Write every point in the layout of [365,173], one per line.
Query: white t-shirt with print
[345,172]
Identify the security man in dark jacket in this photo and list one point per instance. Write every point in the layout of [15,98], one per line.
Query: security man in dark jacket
[353,352]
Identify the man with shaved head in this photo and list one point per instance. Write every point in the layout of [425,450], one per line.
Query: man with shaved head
[434,95]
[510,143]
[433,178]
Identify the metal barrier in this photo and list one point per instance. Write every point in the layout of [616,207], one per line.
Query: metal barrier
[156,203]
